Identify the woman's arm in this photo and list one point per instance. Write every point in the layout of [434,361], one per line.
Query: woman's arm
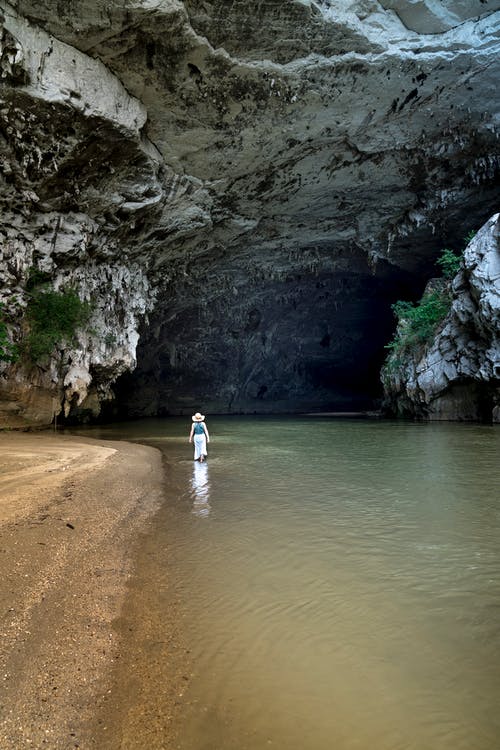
[191,433]
[206,432]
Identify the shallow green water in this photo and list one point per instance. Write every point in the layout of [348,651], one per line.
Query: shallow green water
[340,582]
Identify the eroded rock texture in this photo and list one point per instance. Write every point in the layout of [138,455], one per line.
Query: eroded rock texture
[457,376]
[245,187]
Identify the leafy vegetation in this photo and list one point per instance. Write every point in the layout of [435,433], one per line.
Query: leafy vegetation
[417,323]
[53,317]
[8,350]
[449,262]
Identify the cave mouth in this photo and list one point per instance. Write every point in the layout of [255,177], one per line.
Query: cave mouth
[306,342]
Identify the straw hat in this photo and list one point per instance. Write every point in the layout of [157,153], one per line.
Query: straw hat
[198,417]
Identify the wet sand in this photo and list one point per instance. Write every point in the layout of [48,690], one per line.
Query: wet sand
[74,513]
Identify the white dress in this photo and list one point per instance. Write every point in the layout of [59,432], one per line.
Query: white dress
[200,445]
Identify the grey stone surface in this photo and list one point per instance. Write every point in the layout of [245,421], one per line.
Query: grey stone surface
[437,16]
[319,153]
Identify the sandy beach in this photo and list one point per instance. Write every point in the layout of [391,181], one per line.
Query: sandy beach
[71,513]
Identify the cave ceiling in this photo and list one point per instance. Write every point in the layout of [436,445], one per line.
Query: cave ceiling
[262,179]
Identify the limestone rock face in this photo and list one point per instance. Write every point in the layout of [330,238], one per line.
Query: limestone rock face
[457,377]
[240,190]
[436,16]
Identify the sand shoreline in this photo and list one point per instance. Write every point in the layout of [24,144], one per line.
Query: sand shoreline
[71,512]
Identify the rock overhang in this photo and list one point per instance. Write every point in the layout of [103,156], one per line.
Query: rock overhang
[342,128]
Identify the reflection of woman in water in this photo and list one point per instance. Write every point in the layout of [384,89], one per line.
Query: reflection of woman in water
[200,490]
[199,434]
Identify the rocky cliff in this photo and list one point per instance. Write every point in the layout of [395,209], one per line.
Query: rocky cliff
[238,191]
[456,376]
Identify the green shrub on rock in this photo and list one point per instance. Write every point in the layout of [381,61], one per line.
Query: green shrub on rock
[418,322]
[449,262]
[53,317]
[8,350]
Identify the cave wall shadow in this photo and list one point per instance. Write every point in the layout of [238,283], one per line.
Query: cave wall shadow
[303,343]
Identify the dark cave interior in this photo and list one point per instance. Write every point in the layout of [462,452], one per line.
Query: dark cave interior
[302,343]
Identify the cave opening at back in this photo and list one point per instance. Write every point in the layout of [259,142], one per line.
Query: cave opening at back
[229,341]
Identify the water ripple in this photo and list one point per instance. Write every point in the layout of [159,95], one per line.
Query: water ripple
[343,593]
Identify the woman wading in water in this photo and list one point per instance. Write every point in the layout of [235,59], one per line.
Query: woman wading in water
[199,434]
